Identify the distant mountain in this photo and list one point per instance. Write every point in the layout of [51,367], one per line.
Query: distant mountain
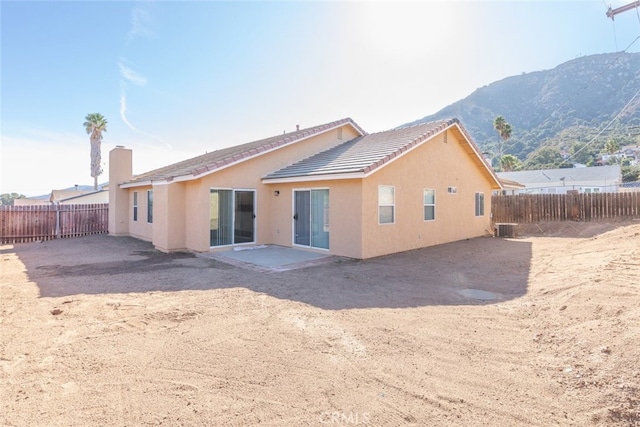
[556,108]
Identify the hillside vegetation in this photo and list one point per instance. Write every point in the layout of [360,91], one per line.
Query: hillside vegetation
[557,110]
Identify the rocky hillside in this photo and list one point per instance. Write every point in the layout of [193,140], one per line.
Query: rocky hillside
[556,108]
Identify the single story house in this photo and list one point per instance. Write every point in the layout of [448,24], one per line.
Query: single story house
[509,187]
[68,196]
[331,188]
[596,179]
[98,196]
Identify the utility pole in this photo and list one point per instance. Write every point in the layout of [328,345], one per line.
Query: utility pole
[613,12]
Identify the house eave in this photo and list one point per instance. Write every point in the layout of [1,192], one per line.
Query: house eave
[496,184]
[136,184]
[310,178]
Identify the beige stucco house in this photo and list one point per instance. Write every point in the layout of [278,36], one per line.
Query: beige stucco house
[331,188]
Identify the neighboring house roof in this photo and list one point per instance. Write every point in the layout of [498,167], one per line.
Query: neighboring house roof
[59,195]
[510,185]
[207,163]
[609,174]
[85,195]
[363,155]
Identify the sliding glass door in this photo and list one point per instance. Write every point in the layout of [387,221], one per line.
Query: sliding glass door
[232,217]
[311,218]
[244,217]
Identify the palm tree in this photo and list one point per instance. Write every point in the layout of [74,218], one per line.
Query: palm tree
[504,131]
[612,146]
[509,163]
[95,124]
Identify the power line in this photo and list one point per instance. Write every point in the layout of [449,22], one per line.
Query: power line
[605,128]
[569,100]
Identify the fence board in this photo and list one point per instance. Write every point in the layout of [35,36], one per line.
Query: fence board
[533,208]
[19,224]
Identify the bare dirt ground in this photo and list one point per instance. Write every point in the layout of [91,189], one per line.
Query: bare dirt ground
[106,331]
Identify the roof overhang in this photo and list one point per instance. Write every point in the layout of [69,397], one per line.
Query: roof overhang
[477,157]
[507,184]
[314,178]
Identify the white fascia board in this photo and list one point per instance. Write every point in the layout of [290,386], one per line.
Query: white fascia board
[136,184]
[309,178]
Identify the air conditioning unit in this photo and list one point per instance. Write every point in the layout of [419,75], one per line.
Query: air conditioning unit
[505,230]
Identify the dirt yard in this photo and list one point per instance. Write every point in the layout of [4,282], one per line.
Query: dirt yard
[106,331]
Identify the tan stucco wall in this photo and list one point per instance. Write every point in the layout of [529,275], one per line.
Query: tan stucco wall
[169,216]
[140,228]
[435,164]
[345,213]
[120,170]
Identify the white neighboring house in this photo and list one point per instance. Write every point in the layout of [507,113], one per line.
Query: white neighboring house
[99,196]
[597,179]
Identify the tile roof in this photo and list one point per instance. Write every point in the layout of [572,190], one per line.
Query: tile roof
[366,153]
[194,167]
[553,176]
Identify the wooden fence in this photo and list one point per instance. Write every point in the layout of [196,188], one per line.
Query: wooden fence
[533,208]
[31,223]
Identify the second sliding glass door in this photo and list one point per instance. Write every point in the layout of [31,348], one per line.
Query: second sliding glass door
[311,218]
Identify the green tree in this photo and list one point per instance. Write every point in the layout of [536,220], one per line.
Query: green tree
[630,173]
[95,124]
[509,163]
[504,132]
[544,158]
[7,199]
[580,153]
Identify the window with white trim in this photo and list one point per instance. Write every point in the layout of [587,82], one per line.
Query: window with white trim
[135,205]
[386,204]
[429,200]
[479,204]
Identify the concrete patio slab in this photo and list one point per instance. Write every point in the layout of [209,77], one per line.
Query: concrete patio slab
[271,257]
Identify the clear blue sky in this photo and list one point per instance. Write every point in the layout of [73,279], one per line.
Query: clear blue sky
[176,79]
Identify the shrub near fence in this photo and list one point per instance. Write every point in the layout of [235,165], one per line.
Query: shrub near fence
[534,208]
[31,223]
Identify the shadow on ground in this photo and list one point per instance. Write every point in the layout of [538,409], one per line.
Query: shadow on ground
[439,275]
